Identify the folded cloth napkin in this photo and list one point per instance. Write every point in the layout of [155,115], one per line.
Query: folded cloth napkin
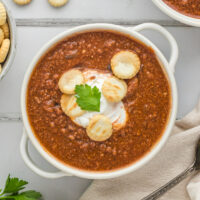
[175,157]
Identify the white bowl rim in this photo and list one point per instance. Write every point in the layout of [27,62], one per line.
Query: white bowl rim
[105,174]
[191,21]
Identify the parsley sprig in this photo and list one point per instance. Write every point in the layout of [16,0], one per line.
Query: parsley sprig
[12,190]
[88,98]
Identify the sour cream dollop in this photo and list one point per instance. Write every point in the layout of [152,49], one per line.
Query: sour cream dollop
[116,112]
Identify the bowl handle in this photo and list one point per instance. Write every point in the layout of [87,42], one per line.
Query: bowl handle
[167,35]
[26,157]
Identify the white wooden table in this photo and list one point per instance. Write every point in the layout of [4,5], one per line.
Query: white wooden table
[39,22]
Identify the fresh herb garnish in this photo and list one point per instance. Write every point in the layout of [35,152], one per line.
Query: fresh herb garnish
[12,190]
[88,98]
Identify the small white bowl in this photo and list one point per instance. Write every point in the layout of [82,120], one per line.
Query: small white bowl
[191,21]
[67,170]
[11,55]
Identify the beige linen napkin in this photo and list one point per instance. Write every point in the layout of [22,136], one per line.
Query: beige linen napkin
[175,157]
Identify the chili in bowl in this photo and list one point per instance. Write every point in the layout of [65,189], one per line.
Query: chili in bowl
[99,101]
[185,11]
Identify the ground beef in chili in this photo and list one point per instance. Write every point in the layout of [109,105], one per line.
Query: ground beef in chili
[147,103]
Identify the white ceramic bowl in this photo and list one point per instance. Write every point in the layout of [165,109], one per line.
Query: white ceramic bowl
[11,55]
[67,170]
[176,15]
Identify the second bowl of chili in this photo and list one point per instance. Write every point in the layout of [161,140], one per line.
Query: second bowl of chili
[187,12]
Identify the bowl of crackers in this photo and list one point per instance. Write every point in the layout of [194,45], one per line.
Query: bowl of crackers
[7,39]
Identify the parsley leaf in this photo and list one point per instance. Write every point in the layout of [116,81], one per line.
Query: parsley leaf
[12,190]
[28,195]
[14,185]
[88,98]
